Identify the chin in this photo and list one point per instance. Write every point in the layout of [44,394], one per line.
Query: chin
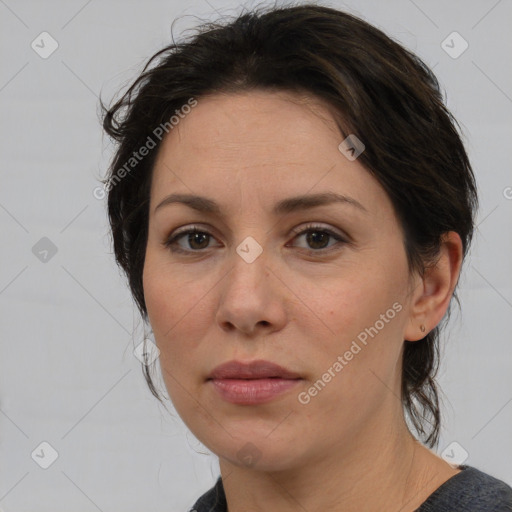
[260,453]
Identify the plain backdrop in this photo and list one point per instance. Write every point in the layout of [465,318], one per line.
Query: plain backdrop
[68,375]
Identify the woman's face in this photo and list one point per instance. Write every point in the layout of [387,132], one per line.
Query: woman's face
[255,285]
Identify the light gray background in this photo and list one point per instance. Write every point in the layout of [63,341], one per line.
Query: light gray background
[67,371]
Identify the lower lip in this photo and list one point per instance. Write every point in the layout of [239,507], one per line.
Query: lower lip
[252,391]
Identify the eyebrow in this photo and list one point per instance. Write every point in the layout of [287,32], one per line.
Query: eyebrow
[289,205]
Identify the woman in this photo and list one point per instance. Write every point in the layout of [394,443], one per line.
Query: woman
[292,203]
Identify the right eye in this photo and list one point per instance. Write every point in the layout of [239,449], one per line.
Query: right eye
[196,238]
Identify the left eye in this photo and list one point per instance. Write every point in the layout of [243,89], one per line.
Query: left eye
[317,238]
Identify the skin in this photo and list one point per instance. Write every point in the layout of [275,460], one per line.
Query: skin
[348,449]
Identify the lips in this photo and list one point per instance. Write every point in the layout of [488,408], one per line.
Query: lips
[260,369]
[252,383]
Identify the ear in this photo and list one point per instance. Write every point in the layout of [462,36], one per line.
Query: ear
[432,293]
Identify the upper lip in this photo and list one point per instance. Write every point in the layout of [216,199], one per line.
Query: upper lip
[260,369]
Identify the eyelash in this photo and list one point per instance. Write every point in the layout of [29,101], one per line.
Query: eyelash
[171,242]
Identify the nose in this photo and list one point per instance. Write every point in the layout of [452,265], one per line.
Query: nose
[252,299]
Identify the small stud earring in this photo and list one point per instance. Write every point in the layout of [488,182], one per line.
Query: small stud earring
[422,328]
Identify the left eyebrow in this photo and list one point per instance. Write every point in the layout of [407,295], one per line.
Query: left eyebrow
[288,205]
[312,201]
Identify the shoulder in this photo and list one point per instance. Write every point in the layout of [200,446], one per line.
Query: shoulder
[471,490]
[213,500]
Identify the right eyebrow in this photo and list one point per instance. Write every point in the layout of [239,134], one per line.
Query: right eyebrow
[199,203]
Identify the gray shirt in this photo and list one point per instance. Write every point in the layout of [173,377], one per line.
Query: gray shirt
[471,490]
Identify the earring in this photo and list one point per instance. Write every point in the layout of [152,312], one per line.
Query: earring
[422,328]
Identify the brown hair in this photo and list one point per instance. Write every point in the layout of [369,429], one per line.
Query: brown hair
[379,91]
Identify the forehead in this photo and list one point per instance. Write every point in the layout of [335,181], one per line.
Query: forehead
[239,125]
[269,144]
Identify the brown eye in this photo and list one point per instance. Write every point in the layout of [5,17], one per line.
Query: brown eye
[198,238]
[195,240]
[318,239]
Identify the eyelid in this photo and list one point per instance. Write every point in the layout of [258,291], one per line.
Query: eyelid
[191,227]
[310,226]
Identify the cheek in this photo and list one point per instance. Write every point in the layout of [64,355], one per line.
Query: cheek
[176,312]
[171,298]
[355,301]
[173,319]
[364,315]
